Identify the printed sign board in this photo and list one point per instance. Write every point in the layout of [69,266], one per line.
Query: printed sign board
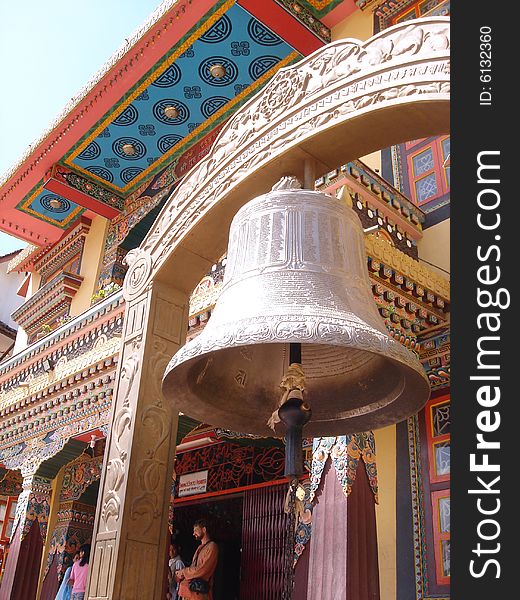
[193,483]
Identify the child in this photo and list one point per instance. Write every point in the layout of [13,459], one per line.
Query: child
[174,564]
[78,575]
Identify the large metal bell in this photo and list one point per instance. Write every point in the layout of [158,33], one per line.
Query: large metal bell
[296,273]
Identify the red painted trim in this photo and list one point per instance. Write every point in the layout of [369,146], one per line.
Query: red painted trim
[100,208]
[283,24]
[86,436]
[338,14]
[244,488]
[24,286]
[137,61]
[439,536]
[431,440]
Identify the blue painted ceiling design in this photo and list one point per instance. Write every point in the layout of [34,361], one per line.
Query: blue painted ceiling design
[238,42]
[39,203]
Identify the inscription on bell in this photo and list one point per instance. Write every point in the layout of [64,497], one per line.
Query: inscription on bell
[253,241]
[298,275]
[278,237]
[310,253]
[241,378]
[325,242]
[264,241]
[337,244]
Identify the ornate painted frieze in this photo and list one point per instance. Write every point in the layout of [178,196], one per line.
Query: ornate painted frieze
[78,475]
[74,526]
[231,465]
[80,409]
[98,330]
[435,356]
[423,283]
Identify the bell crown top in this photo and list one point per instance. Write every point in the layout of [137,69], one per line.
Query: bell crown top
[288,182]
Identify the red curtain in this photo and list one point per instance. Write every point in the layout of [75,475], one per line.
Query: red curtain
[362,562]
[20,581]
[263,535]
[50,583]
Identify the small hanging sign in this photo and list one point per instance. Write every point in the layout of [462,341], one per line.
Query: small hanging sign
[193,483]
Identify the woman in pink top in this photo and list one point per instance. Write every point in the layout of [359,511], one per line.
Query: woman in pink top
[78,575]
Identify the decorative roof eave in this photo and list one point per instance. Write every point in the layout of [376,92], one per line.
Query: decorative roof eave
[50,297]
[80,100]
[389,200]
[24,261]
[135,57]
[49,261]
[107,305]
[162,31]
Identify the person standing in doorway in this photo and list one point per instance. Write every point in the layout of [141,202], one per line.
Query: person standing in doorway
[174,564]
[65,589]
[78,575]
[197,578]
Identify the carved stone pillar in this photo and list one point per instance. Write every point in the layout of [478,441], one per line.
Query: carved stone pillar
[131,527]
[21,574]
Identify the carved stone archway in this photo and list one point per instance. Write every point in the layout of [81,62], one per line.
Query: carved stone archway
[344,101]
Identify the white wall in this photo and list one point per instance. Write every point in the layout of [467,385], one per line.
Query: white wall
[10,301]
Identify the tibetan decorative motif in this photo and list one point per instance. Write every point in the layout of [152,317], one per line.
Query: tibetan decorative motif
[345,452]
[304,525]
[298,256]
[87,193]
[78,475]
[11,484]
[232,465]
[38,507]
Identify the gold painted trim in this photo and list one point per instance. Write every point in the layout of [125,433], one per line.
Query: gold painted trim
[384,251]
[200,31]
[179,146]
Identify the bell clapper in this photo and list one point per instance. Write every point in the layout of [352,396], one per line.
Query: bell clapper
[293,412]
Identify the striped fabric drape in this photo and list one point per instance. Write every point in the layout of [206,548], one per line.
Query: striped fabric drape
[263,535]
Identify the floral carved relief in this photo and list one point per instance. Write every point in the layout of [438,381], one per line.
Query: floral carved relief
[116,467]
[155,427]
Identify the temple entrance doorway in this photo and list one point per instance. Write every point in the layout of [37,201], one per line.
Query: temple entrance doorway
[250,529]
[225,516]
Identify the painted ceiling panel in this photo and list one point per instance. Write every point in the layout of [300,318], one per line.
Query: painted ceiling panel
[50,207]
[145,124]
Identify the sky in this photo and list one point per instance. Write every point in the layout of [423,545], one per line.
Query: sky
[48,51]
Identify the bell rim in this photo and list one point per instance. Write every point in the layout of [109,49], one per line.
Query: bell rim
[414,379]
[220,339]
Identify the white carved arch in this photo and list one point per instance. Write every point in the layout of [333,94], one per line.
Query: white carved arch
[343,101]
